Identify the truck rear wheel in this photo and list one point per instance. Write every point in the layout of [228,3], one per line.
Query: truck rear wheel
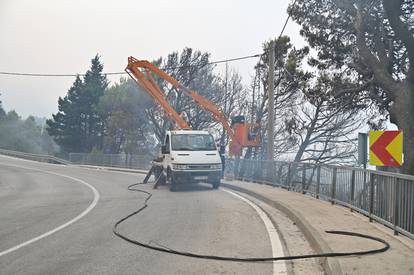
[216,184]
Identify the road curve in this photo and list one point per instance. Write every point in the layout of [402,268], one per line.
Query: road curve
[196,219]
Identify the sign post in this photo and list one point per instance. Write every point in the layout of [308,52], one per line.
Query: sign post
[363,149]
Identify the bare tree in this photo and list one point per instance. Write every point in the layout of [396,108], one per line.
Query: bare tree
[321,127]
[192,69]
[233,100]
[289,78]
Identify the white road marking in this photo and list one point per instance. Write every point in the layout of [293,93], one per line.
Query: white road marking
[277,249]
[81,215]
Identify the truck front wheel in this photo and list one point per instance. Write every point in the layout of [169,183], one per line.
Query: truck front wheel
[171,180]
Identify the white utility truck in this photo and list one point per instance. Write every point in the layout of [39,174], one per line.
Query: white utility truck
[190,156]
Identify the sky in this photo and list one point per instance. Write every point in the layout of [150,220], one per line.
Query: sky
[62,36]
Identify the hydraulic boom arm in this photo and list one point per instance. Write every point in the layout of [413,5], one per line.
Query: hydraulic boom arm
[147,82]
[141,71]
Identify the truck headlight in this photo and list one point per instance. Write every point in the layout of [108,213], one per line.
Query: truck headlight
[180,166]
[216,166]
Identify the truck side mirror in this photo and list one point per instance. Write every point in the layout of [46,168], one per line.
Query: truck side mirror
[222,150]
[163,149]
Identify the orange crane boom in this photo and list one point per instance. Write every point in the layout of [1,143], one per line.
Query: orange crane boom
[141,71]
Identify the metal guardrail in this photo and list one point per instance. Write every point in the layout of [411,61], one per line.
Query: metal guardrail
[112,160]
[387,198]
[36,157]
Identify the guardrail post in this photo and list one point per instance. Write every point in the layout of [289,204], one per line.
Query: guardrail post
[236,168]
[371,196]
[365,184]
[352,188]
[279,173]
[396,205]
[333,186]
[271,172]
[304,166]
[274,168]
[318,181]
[253,170]
[288,176]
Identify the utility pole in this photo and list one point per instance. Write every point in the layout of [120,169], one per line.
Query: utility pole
[254,97]
[271,101]
[223,135]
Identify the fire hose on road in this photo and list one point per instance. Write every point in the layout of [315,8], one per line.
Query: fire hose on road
[164,249]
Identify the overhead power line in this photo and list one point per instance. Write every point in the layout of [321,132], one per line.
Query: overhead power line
[121,73]
[164,68]
[287,20]
[51,75]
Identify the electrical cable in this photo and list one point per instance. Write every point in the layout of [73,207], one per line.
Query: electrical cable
[287,20]
[122,73]
[165,249]
[164,68]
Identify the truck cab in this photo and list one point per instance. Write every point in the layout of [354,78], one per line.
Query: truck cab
[190,156]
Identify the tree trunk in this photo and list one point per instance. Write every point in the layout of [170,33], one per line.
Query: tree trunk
[408,166]
[402,114]
[300,151]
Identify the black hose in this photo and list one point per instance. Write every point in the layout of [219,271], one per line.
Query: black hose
[254,259]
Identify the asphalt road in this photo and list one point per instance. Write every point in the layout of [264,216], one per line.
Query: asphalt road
[36,198]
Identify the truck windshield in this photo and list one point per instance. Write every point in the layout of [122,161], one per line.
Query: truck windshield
[193,142]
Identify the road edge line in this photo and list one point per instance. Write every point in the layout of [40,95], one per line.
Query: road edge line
[331,266]
[56,229]
[275,239]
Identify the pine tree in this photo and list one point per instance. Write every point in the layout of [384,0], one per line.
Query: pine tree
[368,46]
[94,87]
[66,126]
[78,127]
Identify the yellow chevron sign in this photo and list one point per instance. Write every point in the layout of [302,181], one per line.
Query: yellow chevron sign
[385,148]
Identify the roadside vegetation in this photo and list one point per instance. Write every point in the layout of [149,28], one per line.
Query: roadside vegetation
[25,135]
